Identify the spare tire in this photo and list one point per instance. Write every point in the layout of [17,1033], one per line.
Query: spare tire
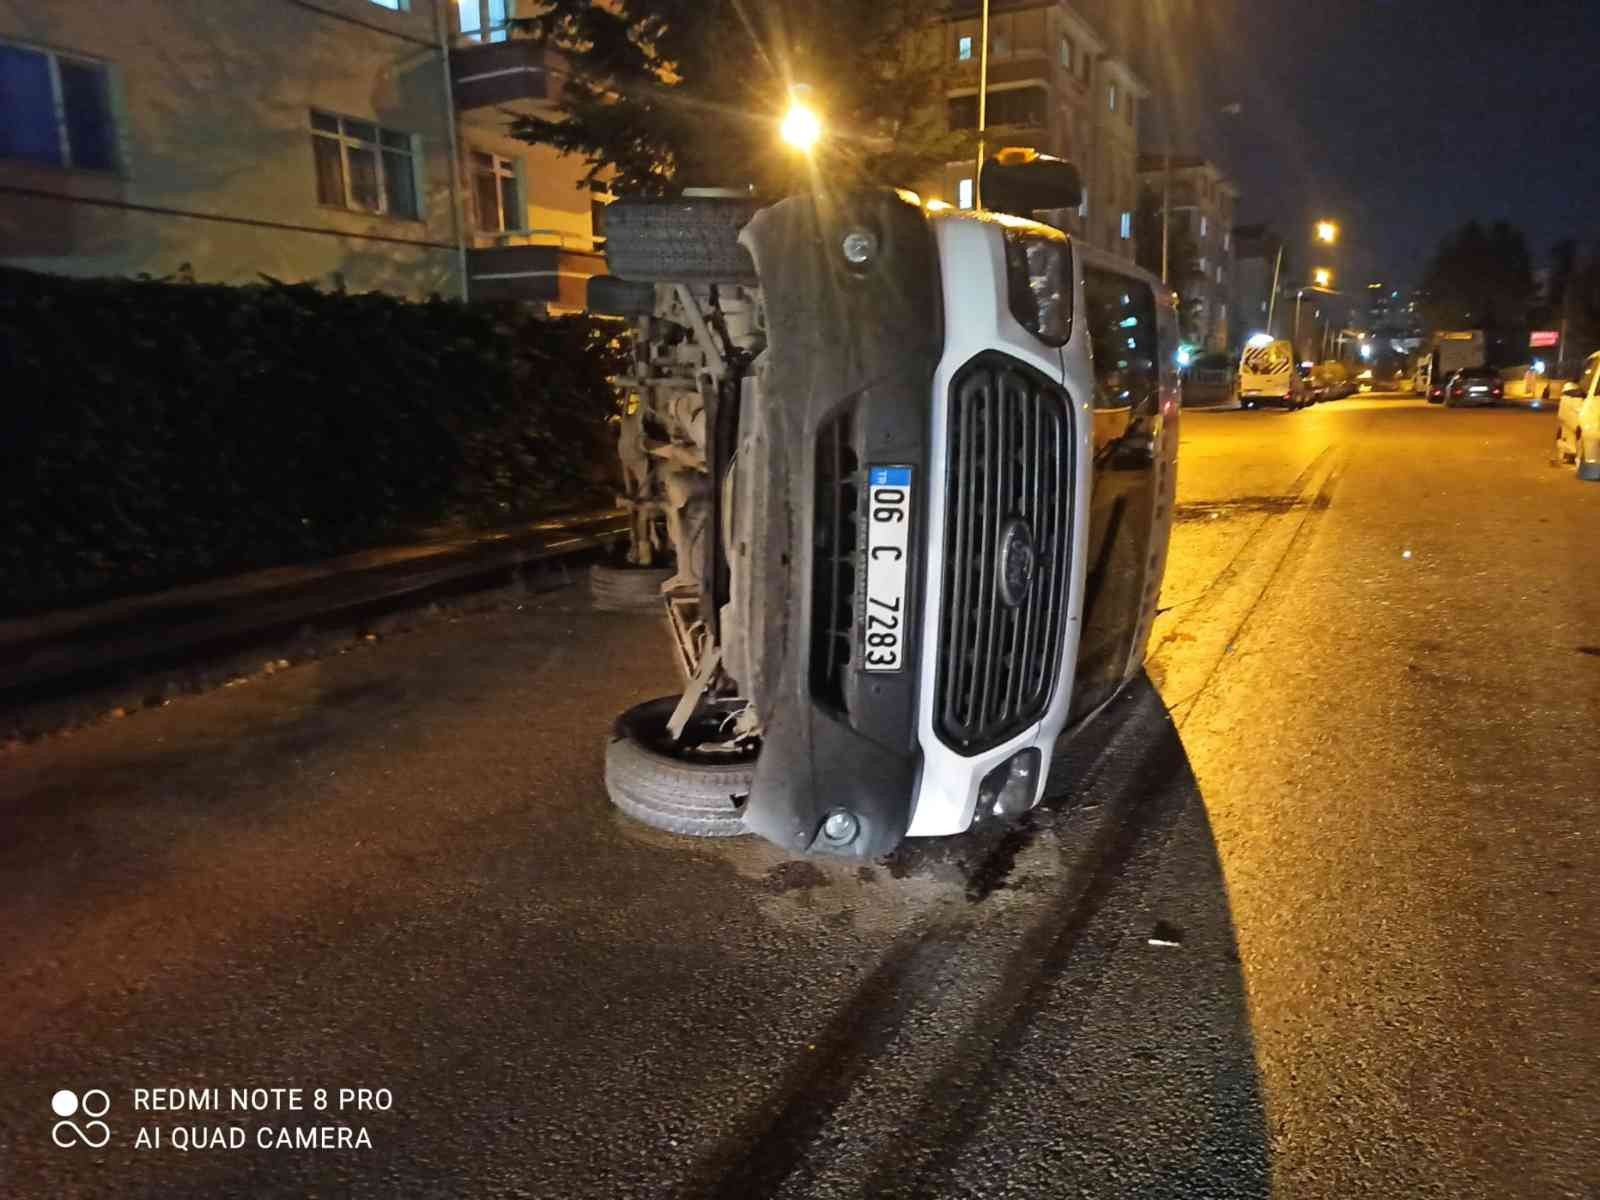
[673,787]
[689,239]
[627,589]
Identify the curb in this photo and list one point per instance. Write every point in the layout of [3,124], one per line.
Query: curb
[114,660]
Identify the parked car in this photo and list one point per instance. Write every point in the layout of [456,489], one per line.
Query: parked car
[1212,380]
[1578,422]
[903,569]
[1474,386]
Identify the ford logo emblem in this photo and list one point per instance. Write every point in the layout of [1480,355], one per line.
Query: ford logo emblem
[1019,561]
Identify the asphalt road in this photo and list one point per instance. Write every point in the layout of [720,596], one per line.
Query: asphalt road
[1312,913]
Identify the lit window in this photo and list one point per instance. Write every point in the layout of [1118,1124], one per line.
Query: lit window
[1083,205]
[1127,225]
[1111,97]
[362,167]
[494,185]
[1204,265]
[57,110]
[964,194]
[964,49]
[1205,226]
[1066,52]
[1219,274]
[483,20]
[1227,241]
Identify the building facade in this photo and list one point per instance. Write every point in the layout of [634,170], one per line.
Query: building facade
[1200,201]
[357,144]
[1054,87]
[1257,267]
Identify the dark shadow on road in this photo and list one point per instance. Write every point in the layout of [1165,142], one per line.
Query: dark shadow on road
[1105,1064]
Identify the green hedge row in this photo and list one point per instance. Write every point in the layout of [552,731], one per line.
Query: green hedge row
[153,433]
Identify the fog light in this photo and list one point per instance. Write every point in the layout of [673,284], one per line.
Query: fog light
[860,246]
[1009,789]
[840,828]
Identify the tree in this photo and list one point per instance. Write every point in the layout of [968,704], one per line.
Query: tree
[666,94]
[1482,278]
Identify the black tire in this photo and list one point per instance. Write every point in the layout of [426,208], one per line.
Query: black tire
[692,239]
[609,296]
[671,792]
[627,589]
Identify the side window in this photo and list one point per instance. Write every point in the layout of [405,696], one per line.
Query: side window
[1590,369]
[1122,337]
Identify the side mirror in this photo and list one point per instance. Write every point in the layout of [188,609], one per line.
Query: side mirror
[1021,182]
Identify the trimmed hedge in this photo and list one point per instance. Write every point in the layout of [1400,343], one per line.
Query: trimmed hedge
[153,433]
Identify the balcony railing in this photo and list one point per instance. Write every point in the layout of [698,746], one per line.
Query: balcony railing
[517,74]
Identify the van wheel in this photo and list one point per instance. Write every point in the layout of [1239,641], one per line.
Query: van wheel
[678,787]
[686,239]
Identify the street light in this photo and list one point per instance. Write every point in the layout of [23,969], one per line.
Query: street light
[1322,277]
[802,127]
[1327,232]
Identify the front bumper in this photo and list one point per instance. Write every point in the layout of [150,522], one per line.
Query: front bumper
[845,384]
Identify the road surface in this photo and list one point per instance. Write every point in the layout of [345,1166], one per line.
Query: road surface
[1312,913]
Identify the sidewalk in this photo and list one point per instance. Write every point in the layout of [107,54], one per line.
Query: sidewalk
[60,654]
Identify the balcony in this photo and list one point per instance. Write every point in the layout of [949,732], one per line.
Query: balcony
[530,266]
[517,74]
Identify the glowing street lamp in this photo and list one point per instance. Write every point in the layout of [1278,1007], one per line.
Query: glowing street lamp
[1322,277]
[1327,232]
[802,127]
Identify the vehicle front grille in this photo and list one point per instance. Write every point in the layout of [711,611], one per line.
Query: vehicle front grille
[833,561]
[1010,456]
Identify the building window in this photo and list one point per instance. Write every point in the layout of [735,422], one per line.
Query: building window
[1127,226]
[1227,241]
[964,49]
[1066,52]
[1083,205]
[56,110]
[964,194]
[1111,97]
[1219,273]
[363,167]
[1222,314]
[1205,265]
[1024,107]
[599,197]
[494,185]
[1205,225]
[484,20]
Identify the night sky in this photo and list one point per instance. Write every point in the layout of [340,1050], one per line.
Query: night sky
[1402,119]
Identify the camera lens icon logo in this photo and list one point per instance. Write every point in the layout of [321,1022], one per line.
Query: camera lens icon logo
[94,1132]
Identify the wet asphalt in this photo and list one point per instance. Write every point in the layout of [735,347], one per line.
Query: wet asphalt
[1311,911]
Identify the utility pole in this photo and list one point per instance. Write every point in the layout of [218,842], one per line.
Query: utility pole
[1272,301]
[983,106]
[1166,217]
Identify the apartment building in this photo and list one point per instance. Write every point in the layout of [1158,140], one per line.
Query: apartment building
[359,144]
[1201,202]
[1055,86]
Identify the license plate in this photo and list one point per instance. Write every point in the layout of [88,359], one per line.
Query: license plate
[883,629]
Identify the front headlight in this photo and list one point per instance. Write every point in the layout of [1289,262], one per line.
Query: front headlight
[1039,280]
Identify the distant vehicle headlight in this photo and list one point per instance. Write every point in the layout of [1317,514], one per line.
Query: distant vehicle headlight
[1039,280]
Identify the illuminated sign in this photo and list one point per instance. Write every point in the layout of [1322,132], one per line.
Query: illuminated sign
[1460,337]
[1541,339]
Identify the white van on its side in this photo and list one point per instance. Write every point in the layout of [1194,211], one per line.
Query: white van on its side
[1267,373]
